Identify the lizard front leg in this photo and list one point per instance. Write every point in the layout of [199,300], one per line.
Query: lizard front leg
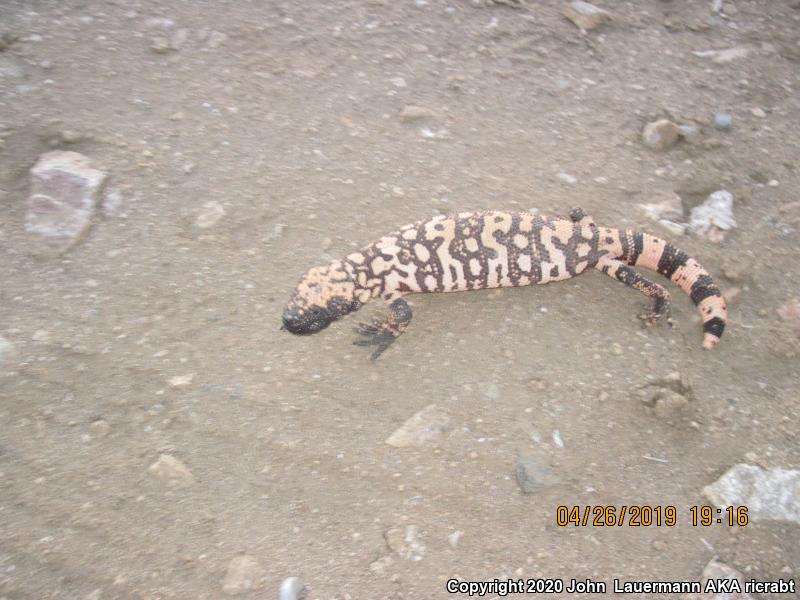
[622,272]
[382,333]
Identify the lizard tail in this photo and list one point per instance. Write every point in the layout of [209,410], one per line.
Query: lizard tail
[644,250]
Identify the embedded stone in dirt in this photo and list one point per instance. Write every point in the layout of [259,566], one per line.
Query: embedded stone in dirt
[171,471]
[714,217]
[769,494]
[719,571]
[585,15]
[243,575]
[534,477]
[64,193]
[405,543]
[424,426]
[661,134]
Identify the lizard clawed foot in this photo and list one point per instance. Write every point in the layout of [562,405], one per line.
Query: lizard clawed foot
[375,334]
[653,315]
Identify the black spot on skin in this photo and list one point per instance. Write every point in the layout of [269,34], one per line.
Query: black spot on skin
[554,271]
[498,219]
[714,326]
[609,240]
[438,227]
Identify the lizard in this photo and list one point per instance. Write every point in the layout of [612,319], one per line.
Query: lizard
[490,249]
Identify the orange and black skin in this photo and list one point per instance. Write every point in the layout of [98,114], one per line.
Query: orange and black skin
[480,250]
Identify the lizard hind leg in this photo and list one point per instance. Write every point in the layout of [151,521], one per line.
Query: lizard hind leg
[625,274]
[381,333]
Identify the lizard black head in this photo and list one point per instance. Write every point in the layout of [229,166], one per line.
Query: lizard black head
[323,295]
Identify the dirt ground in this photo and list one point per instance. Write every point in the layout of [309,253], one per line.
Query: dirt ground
[158,334]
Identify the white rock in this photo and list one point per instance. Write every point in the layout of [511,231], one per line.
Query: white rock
[713,217]
[171,471]
[7,351]
[719,571]
[291,588]
[423,427]
[243,575]
[411,113]
[670,207]
[405,542]
[585,15]
[724,56]
[769,494]
[210,215]
[181,380]
[567,178]
[661,134]
[65,190]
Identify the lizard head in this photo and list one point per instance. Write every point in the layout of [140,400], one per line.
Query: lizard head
[323,295]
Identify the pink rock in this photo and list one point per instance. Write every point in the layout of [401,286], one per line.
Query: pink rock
[64,192]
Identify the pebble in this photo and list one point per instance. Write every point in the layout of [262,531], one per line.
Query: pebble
[454,538]
[411,113]
[758,112]
[244,574]
[404,542]
[7,351]
[670,208]
[181,380]
[171,471]
[769,494]
[65,190]
[718,571]
[790,313]
[724,56]
[379,565]
[423,427]
[714,217]
[723,121]
[210,214]
[661,134]
[291,588]
[100,428]
[534,477]
[567,178]
[585,15]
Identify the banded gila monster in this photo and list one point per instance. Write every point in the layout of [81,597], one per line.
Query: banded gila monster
[480,250]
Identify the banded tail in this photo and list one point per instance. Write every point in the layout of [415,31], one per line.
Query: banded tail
[644,250]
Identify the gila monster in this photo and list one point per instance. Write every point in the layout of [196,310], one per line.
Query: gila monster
[480,250]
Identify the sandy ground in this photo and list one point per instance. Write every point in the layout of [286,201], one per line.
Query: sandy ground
[156,335]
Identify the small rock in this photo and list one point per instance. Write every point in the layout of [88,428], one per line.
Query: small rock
[758,112]
[567,178]
[769,494]
[674,229]
[100,428]
[714,217]
[243,575]
[723,121]
[111,202]
[534,477]
[454,538]
[215,39]
[291,589]
[181,380]
[411,113]
[719,572]
[70,136]
[210,215]
[789,312]
[586,16]
[423,427]
[405,543]
[64,192]
[172,471]
[160,45]
[723,56]
[670,207]
[7,351]
[691,133]
[661,134]
[379,565]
